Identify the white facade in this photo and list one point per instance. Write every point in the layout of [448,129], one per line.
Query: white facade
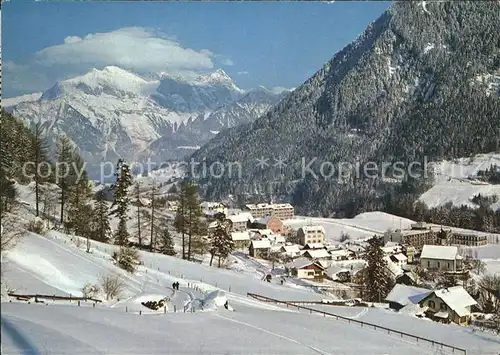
[311,235]
[443,258]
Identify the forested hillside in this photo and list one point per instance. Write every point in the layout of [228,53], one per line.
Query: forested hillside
[421,83]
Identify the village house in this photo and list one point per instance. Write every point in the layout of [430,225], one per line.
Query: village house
[341,254]
[391,248]
[311,234]
[314,246]
[291,251]
[399,259]
[452,304]
[393,269]
[260,248]
[241,240]
[306,269]
[407,278]
[357,250]
[281,211]
[271,223]
[316,254]
[440,257]
[240,221]
[402,295]
[277,239]
[419,235]
[261,233]
[210,209]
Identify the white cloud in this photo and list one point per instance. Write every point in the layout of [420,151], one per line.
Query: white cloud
[227,61]
[242,73]
[133,48]
[138,49]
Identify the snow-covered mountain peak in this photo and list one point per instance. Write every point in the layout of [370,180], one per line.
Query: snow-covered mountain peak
[110,80]
[216,77]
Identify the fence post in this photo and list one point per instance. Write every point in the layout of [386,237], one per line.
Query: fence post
[93,305]
[140,312]
[175,308]
[126,309]
[78,303]
[164,309]
[70,297]
[229,288]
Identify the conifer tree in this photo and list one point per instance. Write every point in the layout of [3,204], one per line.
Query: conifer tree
[221,243]
[101,229]
[121,201]
[166,242]
[138,212]
[194,214]
[38,157]
[376,280]
[181,218]
[64,161]
[78,197]
[152,219]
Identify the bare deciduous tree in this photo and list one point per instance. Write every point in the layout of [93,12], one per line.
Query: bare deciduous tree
[112,286]
[11,232]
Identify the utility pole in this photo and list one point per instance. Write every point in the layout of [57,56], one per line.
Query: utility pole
[151,241]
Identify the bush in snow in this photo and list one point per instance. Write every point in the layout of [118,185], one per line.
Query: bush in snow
[155,305]
[91,291]
[127,259]
[37,225]
[112,286]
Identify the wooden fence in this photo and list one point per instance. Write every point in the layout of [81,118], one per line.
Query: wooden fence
[52,297]
[355,321]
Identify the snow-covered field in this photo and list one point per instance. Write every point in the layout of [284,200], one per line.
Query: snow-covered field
[363,226]
[452,183]
[56,264]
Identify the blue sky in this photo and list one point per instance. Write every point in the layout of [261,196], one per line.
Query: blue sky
[256,43]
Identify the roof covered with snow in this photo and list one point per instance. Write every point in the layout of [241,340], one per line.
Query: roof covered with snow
[240,217]
[317,253]
[239,236]
[402,294]
[309,229]
[457,299]
[442,252]
[291,248]
[314,246]
[399,257]
[261,244]
[393,267]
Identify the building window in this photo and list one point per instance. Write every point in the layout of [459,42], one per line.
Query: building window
[439,264]
[442,306]
[428,263]
[431,304]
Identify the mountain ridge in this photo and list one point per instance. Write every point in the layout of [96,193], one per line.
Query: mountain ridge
[111,113]
[385,97]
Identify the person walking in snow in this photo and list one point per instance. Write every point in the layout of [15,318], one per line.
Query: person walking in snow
[177,286]
[226,305]
[173,286]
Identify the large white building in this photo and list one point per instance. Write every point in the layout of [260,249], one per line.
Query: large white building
[281,211]
[311,235]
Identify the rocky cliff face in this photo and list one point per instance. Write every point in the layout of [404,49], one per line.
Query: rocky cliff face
[421,83]
[111,113]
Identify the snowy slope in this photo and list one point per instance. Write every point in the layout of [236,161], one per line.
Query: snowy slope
[455,181]
[253,327]
[58,330]
[23,98]
[363,226]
